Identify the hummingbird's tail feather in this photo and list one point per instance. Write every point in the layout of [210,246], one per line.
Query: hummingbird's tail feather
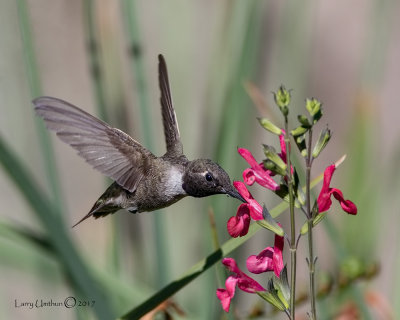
[83,219]
[99,210]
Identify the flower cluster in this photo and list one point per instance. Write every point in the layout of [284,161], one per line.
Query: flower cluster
[270,258]
[265,173]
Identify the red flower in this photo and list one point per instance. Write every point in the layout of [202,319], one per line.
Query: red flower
[270,259]
[239,225]
[240,279]
[257,172]
[283,146]
[324,198]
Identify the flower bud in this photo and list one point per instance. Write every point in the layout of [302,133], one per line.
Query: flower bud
[304,121]
[272,299]
[323,139]
[299,138]
[301,197]
[313,106]
[299,131]
[282,99]
[268,125]
[278,292]
[316,220]
[282,284]
[275,158]
[271,166]
[270,224]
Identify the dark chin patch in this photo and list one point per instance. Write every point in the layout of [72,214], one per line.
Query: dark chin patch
[193,191]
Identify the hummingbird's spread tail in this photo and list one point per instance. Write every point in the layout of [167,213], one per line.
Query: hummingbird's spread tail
[100,209]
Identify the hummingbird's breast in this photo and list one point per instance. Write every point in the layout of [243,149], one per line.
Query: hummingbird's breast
[173,183]
[160,188]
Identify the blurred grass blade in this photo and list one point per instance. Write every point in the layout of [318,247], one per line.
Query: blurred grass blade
[35,85]
[68,257]
[130,17]
[204,264]
[93,49]
[39,240]
[120,291]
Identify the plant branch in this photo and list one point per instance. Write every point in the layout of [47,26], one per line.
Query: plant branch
[293,247]
[311,261]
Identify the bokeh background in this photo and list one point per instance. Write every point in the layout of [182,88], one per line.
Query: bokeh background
[102,57]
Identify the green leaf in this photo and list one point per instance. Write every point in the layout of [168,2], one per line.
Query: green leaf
[268,125]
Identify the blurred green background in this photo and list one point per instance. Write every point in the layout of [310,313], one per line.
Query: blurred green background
[102,57]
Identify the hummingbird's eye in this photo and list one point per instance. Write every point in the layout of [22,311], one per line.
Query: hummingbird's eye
[209,177]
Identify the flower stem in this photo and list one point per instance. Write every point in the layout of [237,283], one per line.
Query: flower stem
[311,261]
[293,248]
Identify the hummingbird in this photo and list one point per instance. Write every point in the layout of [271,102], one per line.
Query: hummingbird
[143,182]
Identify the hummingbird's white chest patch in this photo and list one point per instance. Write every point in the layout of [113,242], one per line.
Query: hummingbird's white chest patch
[174,183]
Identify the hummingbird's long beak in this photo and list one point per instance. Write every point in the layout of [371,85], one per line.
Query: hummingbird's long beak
[231,191]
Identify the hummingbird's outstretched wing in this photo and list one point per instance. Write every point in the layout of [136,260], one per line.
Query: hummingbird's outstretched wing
[171,129]
[107,149]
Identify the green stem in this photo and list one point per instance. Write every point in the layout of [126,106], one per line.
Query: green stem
[311,261]
[293,248]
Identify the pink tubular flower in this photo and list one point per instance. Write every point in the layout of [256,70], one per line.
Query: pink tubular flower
[283,146]
[257,172]
[270,259]
[240,279]
[324,198]
[254,207]
[239,224]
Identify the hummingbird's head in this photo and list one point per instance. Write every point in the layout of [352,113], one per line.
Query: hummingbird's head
[204,178]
